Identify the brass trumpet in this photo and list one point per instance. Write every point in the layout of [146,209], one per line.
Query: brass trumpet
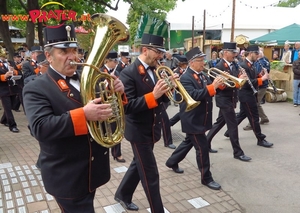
[228,80]
[163,72]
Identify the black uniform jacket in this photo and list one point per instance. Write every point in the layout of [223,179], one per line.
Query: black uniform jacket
[227,96]
[198,120]
[120,67]
[30,68]
[143,112]
[246,93]
[6,85]
[73,164]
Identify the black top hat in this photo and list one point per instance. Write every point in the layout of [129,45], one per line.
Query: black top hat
[125,54]
[112,55]
[21,49]
[80,51]
[231,46]
[41,58]
[61,36]
[182,59]
[36,49]
[194,53]
[253,48]
[153,41]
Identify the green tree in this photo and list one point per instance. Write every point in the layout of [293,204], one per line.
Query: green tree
[288,3]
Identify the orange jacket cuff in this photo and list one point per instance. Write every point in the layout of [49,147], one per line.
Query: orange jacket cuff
[211,90]
[79,121]
[221,87]
[124,99]
[150,100]
[3,77]
[37,70]
[259,81]
[16,72]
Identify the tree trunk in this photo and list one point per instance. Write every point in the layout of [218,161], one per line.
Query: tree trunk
[30,32]
[4,31]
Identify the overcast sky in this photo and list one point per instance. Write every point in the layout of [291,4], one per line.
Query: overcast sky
[214,8]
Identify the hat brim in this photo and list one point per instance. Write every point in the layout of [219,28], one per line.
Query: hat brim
[198,56]
[231,50]
[62,45]
[160,48]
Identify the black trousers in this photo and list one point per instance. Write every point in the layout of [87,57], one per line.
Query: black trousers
[142,168]
[116,151]
[166,129]
[8,116]
[249,110]
[227,115]
[84,204]
[200,144]
[175,119]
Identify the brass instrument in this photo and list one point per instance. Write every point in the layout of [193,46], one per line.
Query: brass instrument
[2,52]
[107,32]
[163,72]
[228,80]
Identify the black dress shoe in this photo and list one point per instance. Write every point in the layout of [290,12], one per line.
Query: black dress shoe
[17,110]
[243,158]
[14,129]
[176,169]
[171,146]
[129,206]
[6,125]
[264,143]
[226,134]
[120,160]
[213,185]
[213,151]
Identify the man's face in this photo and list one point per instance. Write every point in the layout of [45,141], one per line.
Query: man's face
[34,55]
[229,55]
[254,56]
[152,55]
[112,63]
[125,59]
[197,64]
[60,59]
[17,59]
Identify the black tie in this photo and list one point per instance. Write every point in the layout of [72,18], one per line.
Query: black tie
[74,77]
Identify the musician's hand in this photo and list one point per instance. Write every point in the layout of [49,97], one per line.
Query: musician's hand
[8,74]
[243,76]
[265,76]
[118,85]
[218,81]
[226,72]
[95,111]
[174,78]
[160,88]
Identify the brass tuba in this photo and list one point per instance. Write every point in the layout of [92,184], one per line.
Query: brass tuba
[163,72]
[107,32]
[228,80]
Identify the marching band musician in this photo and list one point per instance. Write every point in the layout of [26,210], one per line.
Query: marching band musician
[110,62]
[146,96]
[73,165]
[17,64]
[124,62]
[197,121]
[8,92]
[31,67]
[226,99]
[247,98]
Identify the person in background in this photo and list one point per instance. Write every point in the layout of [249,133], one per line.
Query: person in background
[214,59]
[275,56]
[286,54]
[296,51]
[171,62]
[296,81]
[197,121]
[145,95]
[124,62]
[110,62]
[31,67]
[221,54]
[73,165]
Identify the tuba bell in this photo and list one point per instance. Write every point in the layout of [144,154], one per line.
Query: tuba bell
[163,72]
[107,31]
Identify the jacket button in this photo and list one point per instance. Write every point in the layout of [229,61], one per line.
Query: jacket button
[158,122]
[153,124]
[92,158]
[154,114]
[71,95]
[91,140]
[105,153]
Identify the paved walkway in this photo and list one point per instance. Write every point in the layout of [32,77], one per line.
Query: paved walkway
[22,189]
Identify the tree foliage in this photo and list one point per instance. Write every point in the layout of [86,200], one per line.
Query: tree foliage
[288,3]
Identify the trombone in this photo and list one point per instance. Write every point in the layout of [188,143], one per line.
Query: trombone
[228,80]
[163,72]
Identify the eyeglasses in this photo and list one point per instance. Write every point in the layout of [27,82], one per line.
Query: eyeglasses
[156,51]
